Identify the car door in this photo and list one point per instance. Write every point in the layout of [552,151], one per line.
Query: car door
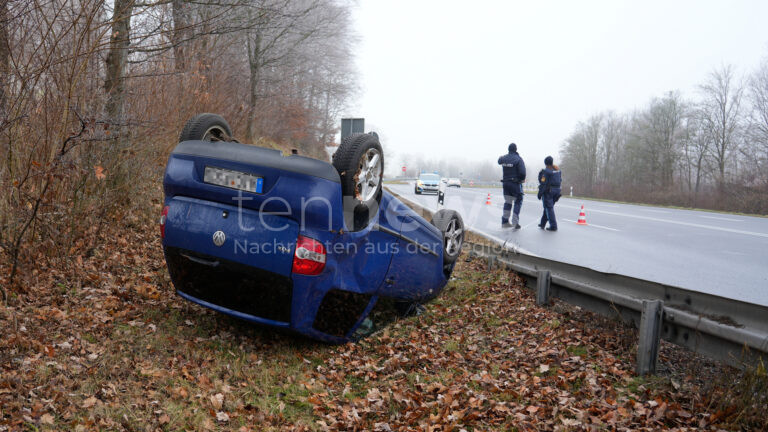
[415,270]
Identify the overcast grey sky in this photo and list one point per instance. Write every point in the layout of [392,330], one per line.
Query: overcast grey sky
[464,79]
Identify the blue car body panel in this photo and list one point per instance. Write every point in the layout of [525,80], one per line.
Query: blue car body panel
[397,255]
[188,227]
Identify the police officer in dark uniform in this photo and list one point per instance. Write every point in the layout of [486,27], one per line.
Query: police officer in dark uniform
[550,180]
[513,169]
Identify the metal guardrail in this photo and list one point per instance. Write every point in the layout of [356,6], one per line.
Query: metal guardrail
[715,326]
[729,330]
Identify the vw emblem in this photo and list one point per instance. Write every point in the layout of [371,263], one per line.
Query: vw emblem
[219,237]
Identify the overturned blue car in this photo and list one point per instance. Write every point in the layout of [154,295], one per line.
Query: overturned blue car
[294,242]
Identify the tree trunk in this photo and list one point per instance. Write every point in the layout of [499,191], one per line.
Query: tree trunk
[699,166]
[5,55]
[6,146]
[254,63]
[721,167]
[114,83]
[180,35]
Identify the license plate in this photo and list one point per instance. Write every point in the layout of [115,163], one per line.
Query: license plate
[233,179]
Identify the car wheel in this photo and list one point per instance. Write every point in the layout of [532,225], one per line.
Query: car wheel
[206,127]
[360,163]
[449,223]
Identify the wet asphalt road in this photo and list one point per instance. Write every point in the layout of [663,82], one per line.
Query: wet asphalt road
[714,253]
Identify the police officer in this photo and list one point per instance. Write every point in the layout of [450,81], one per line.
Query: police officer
[513,169]
[550,180]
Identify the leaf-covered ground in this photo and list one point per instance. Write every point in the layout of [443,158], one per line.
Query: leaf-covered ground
[102,343]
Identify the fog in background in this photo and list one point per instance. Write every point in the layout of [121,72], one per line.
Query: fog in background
[459,81]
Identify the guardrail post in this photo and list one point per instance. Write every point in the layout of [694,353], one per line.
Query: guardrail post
[491,260]
[649,337]
[542,287]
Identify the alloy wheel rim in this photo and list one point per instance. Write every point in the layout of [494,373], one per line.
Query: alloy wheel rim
[368,175]
[453,237]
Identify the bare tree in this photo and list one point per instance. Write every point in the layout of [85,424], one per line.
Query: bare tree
[181,34]
[114,83]
[661,130]
[758,119]
[679,152]
[72,70]
[4,57]
[579,154]
[53,49]
[720,110]
[592,135]
[610,145]
[696,144]
[276,32]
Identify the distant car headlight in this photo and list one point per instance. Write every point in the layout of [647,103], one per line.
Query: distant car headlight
[419,183]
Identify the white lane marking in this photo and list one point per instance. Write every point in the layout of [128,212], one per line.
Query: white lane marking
[722,218]
[655,211]
[593,225]
[690,224]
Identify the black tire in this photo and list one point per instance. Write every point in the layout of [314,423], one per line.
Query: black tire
[348,161]
[450,223]
[361,198]
[206,127]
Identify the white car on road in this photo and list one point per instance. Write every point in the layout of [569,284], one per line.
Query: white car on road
[453,182]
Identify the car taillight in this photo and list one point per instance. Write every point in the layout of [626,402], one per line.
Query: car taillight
[163,217]
[309,258]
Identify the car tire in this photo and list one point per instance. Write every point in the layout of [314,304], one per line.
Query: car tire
[206,127]
[360,154]
[450,223]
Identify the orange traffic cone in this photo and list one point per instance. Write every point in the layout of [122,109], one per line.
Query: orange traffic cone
[488,200]
[582,217]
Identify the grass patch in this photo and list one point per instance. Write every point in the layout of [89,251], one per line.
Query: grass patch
[577,350]
[451,346]
[740,399]
[553,324]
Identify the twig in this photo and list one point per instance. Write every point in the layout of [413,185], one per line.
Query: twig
[17,244]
